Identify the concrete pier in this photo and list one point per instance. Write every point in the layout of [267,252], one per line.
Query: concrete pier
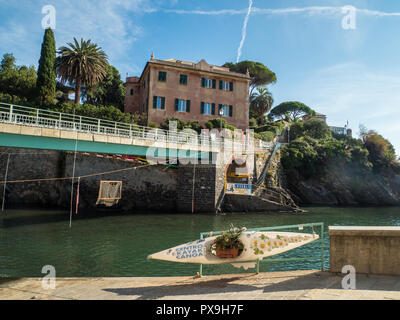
[291,285]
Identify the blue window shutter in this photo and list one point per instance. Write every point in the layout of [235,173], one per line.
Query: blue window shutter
[202,108]
[154,102]
[187,105]
[162,103]
[230,111]
[214,83]
[221,85]
[176,104]
[230,86]
[213,108]
[203,82]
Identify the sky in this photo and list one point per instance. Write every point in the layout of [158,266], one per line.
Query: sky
[341,65]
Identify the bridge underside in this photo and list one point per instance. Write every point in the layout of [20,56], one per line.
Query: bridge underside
[49,143]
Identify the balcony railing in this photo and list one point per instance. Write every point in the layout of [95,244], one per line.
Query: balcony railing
[21,115]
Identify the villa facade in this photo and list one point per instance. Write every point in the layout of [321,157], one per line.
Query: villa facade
[190,92]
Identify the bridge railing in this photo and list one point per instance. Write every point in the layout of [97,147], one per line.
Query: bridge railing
[15,114]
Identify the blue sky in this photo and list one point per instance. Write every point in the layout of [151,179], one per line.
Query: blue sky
[349,75]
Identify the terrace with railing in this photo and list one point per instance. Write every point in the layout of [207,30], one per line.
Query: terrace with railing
[27,116]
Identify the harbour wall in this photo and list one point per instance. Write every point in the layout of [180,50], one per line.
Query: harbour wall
[157,188]
[370,250]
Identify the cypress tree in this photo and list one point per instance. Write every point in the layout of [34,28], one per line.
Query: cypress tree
[46,81]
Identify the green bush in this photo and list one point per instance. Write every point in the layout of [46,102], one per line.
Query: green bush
[180,123]
[272,127]
[152,124]
[381,151]
[194,125]
[266,136]
[216,123]
[253,122]
[313,157]
[101,112]
[314,128]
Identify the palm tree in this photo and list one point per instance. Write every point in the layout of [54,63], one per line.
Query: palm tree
[261,102]
[84,64]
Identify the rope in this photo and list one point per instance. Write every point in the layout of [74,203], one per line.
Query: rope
[77,196]
[5,183]
[68,178]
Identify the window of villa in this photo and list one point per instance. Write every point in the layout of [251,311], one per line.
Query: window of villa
[158,102]
[227,110]
[162,76]
[225,85]
[182,105]
[183,79]
[132,92]
[208,83]
[207,108]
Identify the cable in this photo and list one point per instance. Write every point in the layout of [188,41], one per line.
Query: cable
[68,178]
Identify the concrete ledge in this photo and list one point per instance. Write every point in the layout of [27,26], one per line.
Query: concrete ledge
[364,231]
[370,250]
[52,133]
[31,131]
[10,128]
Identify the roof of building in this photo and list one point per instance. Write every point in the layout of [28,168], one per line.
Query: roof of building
[202,65]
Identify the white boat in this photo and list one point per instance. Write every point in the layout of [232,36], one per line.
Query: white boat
[257,245]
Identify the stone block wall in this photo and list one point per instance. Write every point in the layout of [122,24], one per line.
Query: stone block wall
[370,250]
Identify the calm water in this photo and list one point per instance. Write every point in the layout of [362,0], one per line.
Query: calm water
[112,244]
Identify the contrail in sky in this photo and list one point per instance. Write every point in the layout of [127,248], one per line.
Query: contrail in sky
[244,31]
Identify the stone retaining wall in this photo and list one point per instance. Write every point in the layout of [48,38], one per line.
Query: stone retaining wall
[371,250]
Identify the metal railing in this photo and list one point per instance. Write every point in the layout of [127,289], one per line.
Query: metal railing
[21,115]
[299,227]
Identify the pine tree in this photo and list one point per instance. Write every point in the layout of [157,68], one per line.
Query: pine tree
[46,81]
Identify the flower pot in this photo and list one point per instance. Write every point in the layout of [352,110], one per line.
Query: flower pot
[227,253]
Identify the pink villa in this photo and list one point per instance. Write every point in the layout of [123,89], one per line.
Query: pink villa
[189,91]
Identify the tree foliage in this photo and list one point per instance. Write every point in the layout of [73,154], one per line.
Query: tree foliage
[290,111]
[259,73]
[108,92]
[46,77]
[17,83]
[260,103]
[381,151]
[313,128]
[81,63]
[102,112]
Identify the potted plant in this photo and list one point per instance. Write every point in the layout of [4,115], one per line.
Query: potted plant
[228,245]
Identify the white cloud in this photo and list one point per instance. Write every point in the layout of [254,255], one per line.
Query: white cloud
[244,31]
[313,10]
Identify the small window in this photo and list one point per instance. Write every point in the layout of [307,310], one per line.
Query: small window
[132,92]
[224,110]
[226,85]
[182,105]
[208,83]
[158,103]
[183,79]
[162,76]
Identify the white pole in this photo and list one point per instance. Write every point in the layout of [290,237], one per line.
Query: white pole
[73,176]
